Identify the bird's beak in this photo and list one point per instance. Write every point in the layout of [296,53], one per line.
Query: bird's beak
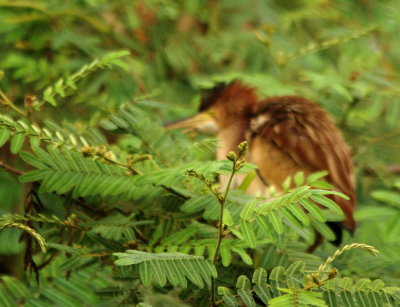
[203,122]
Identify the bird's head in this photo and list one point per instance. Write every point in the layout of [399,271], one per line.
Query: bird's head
[223,105]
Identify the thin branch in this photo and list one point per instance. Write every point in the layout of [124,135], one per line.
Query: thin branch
[220,231]
[47,262]
[220,224]
[7,102]
[174,192]
[236,165]
[10,169]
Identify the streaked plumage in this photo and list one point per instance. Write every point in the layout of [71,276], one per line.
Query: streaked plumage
[286,134]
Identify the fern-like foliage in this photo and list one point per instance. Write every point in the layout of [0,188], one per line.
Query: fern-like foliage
[62,85]
[66,171]
[19,132]
[288,287]
[116,227]
[174,267]
[53,291]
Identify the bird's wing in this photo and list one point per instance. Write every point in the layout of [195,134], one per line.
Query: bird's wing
[296,134]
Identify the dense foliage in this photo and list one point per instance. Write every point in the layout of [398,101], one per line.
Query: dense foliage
[103,207]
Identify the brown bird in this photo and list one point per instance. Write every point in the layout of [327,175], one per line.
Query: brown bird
[286,134]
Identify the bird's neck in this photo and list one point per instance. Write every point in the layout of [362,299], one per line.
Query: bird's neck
[230,137]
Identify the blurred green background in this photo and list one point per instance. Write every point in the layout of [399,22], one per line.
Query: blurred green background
[343,54]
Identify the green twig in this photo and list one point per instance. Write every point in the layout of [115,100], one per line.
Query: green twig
[220,233]
[7,102]
[10,169]
[236,165]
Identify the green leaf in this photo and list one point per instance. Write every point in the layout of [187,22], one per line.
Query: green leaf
[159,273]
[246,296]
[313,209]
[346,283]
[246,228]
[16,287]
[181,236]
[6,298]
[310,298]
[179,275]
[247,212]
[198,203]
[4,136]
[109,57]
[390,197]
[299,214]
[295,269]
[327,202]
[32,160]
[108,125]
[78,290]
[227,296]
[286,184]
[276,221]
[263,222]
[243,282]
[362,299]
[315,176]
[241,252]
[282,301]
[319,184]
[331,298]
[49,96]
[287,214]
[226,255]
[36,175]
[376,285]
[375,299]
[207,269]
[323,229]
[146,273]
[326,192]
[171,274]
[191,273]
[70,82]
[263,292]
[58,87]
[259,276]
[17,141]
[362,284]
[227,218]
[347,299]
[299,178]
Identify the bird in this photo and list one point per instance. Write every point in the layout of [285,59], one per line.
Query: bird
[285,134]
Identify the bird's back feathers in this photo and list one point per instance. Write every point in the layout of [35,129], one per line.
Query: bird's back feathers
[298,135]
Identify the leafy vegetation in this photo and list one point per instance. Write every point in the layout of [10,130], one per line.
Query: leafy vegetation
[103,207]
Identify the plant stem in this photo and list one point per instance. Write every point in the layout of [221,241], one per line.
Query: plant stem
[10,169]
[220,231]
[220,224]
[7,102]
